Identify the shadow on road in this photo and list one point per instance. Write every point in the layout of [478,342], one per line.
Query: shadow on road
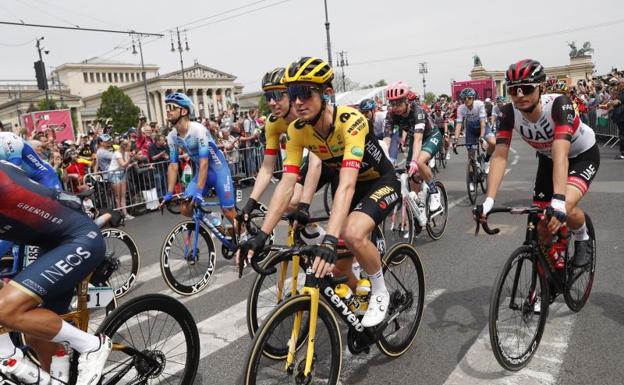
[612,305]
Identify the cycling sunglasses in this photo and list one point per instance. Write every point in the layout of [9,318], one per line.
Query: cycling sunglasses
[396,103]
[274,95]
[526,89]
[171,107]
[301,91]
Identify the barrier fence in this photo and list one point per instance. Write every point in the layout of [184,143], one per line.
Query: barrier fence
[138,188]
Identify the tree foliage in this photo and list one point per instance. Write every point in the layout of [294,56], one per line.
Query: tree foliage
[118,106]
[263,107]
[46,105]
[430,97]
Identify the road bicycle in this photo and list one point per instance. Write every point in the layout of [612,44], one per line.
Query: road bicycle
[475,170]
[300,341]
[530,280]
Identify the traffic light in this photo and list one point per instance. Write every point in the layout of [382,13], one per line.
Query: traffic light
[40,73]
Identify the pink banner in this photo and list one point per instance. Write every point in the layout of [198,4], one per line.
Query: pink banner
[57,121]
[485,88]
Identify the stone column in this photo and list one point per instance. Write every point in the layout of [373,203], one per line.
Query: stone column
[205,102]
[214,102]
[195,103]
[80,128]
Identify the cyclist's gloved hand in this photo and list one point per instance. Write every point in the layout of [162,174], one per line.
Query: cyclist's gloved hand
[193,192]
[325,256]
[301,215]
[557,213]
[250,206]
[413,167]
[168,197]
[249,248]
[454,144]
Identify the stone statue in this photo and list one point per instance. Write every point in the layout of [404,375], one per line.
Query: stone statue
[477,61]
[586,51]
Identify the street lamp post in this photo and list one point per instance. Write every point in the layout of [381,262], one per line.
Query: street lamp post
[329,55]
[343,62]
[180,50]
[423,70]
[134,52]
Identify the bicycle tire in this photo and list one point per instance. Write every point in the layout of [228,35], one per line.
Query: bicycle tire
[443,153]
[205,270]
[471,178]
[402,232]
[432,229]
[408,254]
[482,175]
[518,361]
[327,198]
[122,279]
[296,304]
[146,305]
[576,303]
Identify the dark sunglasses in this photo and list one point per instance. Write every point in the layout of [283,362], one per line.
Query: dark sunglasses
[172,107]
[301,91]
[274,95]
[396,103]
[526,89]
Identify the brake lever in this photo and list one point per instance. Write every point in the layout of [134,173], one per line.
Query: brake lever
[477,211]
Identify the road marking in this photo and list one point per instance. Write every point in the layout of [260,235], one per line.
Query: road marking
[478,366]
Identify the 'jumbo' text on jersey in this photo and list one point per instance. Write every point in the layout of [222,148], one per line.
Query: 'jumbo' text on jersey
[558,121]
[198,144]
[416,121]
[274,128]
[472,116]
[15,150]
[349,144]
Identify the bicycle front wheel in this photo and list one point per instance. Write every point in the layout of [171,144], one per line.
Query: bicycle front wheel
[518,309]
[187,266]
[436,222]
[405,281]
[579,281]
[156,326]
[123,252]
[278,331]
[471,181]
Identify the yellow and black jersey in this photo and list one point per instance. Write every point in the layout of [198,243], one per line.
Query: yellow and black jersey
[274,128]
[349,144]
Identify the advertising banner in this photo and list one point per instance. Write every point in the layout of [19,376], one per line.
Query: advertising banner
[56,122]
[485,88]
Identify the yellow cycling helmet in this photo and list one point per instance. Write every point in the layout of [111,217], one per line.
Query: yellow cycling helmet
[274,80]
[561,87]
[309,70]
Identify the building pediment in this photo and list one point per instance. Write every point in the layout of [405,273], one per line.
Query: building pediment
[199,71]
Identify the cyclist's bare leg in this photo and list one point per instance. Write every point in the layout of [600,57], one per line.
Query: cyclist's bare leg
[343,267]
[294,201]
[575,216]
[423,166]
[491,144]
[356,235]
[44,349]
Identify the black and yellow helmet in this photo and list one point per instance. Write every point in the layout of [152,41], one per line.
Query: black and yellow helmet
[274,80]
[310,70]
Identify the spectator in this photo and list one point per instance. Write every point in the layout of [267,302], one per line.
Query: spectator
[56,161]
[158,153]
[104,155]
[229,145]
[616,107]
[120,161]
[249,139]
[74,172]
[36,145]
[85,154]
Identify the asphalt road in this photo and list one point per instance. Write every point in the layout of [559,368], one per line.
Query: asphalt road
[452,345]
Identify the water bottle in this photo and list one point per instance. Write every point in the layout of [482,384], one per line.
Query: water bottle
[362,294]
[344,292]
[59,368]
[215,220]
[26,371]
[558,249]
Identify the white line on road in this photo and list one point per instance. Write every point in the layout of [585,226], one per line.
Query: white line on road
[479,366]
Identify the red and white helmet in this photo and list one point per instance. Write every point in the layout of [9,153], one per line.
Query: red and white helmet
[397,91]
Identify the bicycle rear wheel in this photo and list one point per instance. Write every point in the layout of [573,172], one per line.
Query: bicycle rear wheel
[406,283]
[482,175]
[398,226]
[436,222]
[123,253]
[471,178]
[518,309]
[277,331]
[579,281]
[181,272]
[156,326]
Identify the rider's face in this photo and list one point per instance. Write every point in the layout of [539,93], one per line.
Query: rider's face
[399,107]
[308,108]
[524,101]
[279,107]
[173,112]
[469,101]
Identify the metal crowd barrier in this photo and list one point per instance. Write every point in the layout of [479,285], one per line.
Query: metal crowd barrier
[605,128]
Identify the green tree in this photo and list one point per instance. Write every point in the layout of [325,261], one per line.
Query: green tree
[430,97]
[445,96]
[46,105]
[380,83]
[263,107]
[118,106]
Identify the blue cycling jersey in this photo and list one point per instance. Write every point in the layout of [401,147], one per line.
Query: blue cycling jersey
[198,144]
[15,150]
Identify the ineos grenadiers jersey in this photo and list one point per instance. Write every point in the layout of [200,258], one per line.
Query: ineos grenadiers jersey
[416,122]
[349,144]
[274,129]
[198,144]
[558,121]
[15,150]
[472,116]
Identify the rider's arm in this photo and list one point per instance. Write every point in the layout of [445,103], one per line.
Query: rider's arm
[204,154]
[268,163]
[312,178]
[482,120]
[418,137]
[498,162]
[417,133]
[565,120]
[459,122]
[172,170]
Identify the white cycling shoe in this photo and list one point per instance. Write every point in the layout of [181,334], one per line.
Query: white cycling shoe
[471,186]
[377,309]
[434,202]
[91,364]
[487,167]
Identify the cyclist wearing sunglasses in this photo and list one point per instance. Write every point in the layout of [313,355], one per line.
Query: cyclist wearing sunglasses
[282,114]
[473,113]
[210,168]
[423,139]
[568,157]
[365,185]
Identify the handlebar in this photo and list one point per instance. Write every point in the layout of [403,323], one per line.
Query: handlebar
[478,212]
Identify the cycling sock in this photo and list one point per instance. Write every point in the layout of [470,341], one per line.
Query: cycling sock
[581,234]
[377,282]
[7,348]
[80,341]
[487,157]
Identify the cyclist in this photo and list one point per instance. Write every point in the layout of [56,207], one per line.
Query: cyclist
[210,167]
[440,120]
[377,120]
[474,114]
[365,184]
[282,114]
[31,214]
[496,112]
[568,157]
[423,139]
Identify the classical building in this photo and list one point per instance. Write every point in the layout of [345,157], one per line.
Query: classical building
[81,86]
[579,68]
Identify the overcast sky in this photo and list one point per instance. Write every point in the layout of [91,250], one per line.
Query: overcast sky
[377,35]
